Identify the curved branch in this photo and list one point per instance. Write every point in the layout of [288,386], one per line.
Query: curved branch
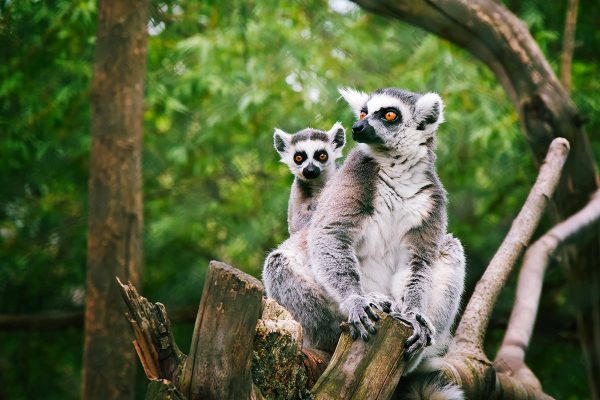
[511,356]
[473,324]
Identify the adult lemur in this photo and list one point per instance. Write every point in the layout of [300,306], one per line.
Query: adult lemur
[310,154]
[378,235]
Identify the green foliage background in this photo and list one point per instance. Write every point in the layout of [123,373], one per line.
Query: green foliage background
[221,75]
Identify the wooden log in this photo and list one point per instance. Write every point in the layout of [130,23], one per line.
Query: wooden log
[154,341]
[365,370]
[219,363]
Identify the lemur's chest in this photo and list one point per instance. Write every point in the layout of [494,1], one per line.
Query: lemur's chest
[400,204]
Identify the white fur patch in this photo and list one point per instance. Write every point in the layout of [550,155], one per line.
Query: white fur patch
[310,147]
[337,152]
[355,99]
[285,137]
[337,126]
[384,258]
[425,104]
[380,101]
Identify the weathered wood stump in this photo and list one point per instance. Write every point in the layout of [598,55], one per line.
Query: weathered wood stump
[154,341]
[277,362]
[236,355]
[365,370]
[218,366]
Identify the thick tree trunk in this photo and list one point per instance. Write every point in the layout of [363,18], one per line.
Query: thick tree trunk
[498,38]
[115,196]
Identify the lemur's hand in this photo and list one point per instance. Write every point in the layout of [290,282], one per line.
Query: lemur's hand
[379,301]
[361,310]
[422,335]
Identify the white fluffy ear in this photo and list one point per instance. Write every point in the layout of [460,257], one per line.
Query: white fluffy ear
[337,137]
[355,99]
[281,141]
[429,111]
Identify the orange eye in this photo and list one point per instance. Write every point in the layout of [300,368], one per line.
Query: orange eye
[390,116]
[298,158]
[322,157]
[362,115]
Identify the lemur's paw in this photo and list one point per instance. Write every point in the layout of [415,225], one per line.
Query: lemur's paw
[360,313]
[423,332]
[380,302]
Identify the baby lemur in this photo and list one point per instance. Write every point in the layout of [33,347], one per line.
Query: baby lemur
[310,154]
[378,236]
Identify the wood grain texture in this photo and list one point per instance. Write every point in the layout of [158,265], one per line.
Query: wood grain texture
[219,361]
[154,341]
[365,370]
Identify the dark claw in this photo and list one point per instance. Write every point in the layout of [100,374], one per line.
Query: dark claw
[353,332]
[421,336]
[371,313]
[387,306]
[412,339]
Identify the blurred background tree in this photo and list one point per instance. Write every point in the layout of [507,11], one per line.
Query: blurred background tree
[220,77]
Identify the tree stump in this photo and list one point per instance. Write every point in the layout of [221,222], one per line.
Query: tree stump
[235,355]
[277,362]
[218,366]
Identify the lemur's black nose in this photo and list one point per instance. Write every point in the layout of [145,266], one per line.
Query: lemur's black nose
[358,127]
[311,171]
[363,132]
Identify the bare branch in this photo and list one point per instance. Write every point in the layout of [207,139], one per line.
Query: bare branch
[568,45]
[511,356]
[473,325]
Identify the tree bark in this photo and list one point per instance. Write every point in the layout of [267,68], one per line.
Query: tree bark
[154,341]
[365,370]
[115,196]
[162,389]
[278,369]
[568,45]
[219,363]
[498,38]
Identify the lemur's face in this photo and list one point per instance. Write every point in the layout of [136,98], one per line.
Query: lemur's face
[394,119]
[310,153]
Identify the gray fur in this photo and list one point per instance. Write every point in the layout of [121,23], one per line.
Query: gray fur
[379,231]
[304,192]
[309,134]
[288,280]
